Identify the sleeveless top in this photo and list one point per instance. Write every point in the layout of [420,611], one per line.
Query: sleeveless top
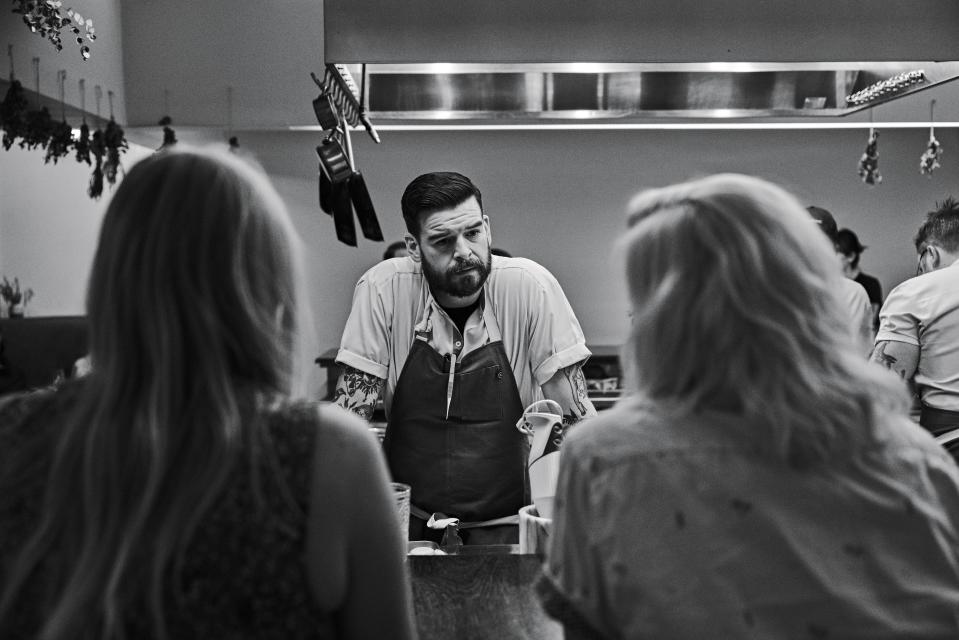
[243,573]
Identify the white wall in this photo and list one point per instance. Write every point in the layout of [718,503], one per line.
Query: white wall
[556,197]
[49,227]
[104,68]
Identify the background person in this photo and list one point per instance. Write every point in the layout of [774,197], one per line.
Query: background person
[396,249]
[918,334]
[850,249]
[762,479]
[178,490]
[458,342]
[853,296]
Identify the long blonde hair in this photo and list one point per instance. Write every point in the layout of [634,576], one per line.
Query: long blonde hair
[196,308]
[735,308]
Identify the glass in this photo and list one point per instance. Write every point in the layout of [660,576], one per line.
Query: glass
[401,493]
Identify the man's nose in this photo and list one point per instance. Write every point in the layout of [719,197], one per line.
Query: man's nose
[462,248]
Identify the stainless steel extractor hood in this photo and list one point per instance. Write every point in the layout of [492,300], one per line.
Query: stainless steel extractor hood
[591,91]
[523,59]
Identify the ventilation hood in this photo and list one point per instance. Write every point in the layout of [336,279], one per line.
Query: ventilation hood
[632,60]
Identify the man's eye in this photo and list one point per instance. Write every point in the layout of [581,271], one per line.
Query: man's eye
[473,233]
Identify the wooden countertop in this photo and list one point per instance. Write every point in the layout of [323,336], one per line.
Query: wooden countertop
[479,596]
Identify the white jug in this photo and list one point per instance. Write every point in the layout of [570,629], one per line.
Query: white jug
[545,430]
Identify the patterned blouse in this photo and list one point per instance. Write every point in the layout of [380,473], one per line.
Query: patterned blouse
[243,574]
[682,528]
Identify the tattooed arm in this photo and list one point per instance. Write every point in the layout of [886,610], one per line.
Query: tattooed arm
[358,391]
[568,388]
[901,357]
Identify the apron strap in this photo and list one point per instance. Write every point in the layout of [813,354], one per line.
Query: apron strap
[423,515]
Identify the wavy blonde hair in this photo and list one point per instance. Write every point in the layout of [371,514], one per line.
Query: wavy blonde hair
[733,289]
[196,308]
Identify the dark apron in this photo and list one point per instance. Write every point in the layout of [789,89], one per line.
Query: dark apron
[470,465]
[938,421]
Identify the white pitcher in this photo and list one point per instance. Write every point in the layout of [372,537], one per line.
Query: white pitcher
[543,423]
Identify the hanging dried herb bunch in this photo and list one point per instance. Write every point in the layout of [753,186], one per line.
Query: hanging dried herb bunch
[45,18]
[115,142]
[82,145]
[38,130]
[929,161]
[60,143]
[869,162]
[169,135]
[98,149]
[13,114]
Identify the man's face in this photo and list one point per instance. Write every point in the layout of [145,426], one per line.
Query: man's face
[454,246]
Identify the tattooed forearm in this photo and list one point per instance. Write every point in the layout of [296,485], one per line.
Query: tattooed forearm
[358,392]
[568,388]
[901,357]
[880,356]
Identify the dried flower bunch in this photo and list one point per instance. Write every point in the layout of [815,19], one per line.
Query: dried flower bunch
[43,17]
[12,294]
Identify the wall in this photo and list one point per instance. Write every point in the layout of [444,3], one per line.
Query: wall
[556,197]
[49,227]
[104,68]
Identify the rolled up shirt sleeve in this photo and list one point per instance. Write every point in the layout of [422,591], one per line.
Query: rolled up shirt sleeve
[556,337]
[898,319]
[365,342]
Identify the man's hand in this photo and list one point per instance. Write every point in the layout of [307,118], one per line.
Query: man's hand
[358,392]
[901,357]
[568,388]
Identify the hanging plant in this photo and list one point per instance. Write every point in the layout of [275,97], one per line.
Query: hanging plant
[114,143]
[169,135]
[44,18]
[869,162]
[82,144]
[13,114]
[61,136]
[60,143]
[38,130]
[929,161]
[98,149]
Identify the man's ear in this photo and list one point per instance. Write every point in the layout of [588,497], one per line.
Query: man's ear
[935,256]
[413,247]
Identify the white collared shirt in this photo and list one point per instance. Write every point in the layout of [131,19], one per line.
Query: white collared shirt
[392,302]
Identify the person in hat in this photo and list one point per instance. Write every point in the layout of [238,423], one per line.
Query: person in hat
[850,249]
[853,295]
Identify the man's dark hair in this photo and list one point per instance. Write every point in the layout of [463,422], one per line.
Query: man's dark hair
[941,227]
[433,192]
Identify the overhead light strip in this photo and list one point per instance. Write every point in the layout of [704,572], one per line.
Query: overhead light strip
[653,126]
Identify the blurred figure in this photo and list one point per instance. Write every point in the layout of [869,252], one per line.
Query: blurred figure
[853,295]
[396,249]
[762,479]
[919,322]
[179,490]
[850,249]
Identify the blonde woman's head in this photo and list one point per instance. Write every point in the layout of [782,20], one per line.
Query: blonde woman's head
[733,289]
[197,275]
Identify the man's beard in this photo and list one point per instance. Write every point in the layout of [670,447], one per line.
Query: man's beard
[456,283]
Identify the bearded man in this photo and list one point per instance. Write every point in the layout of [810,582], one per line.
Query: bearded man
[457,342]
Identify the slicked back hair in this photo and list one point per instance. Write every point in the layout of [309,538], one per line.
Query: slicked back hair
[433,192]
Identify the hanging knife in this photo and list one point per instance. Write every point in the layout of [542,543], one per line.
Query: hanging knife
[364,208]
